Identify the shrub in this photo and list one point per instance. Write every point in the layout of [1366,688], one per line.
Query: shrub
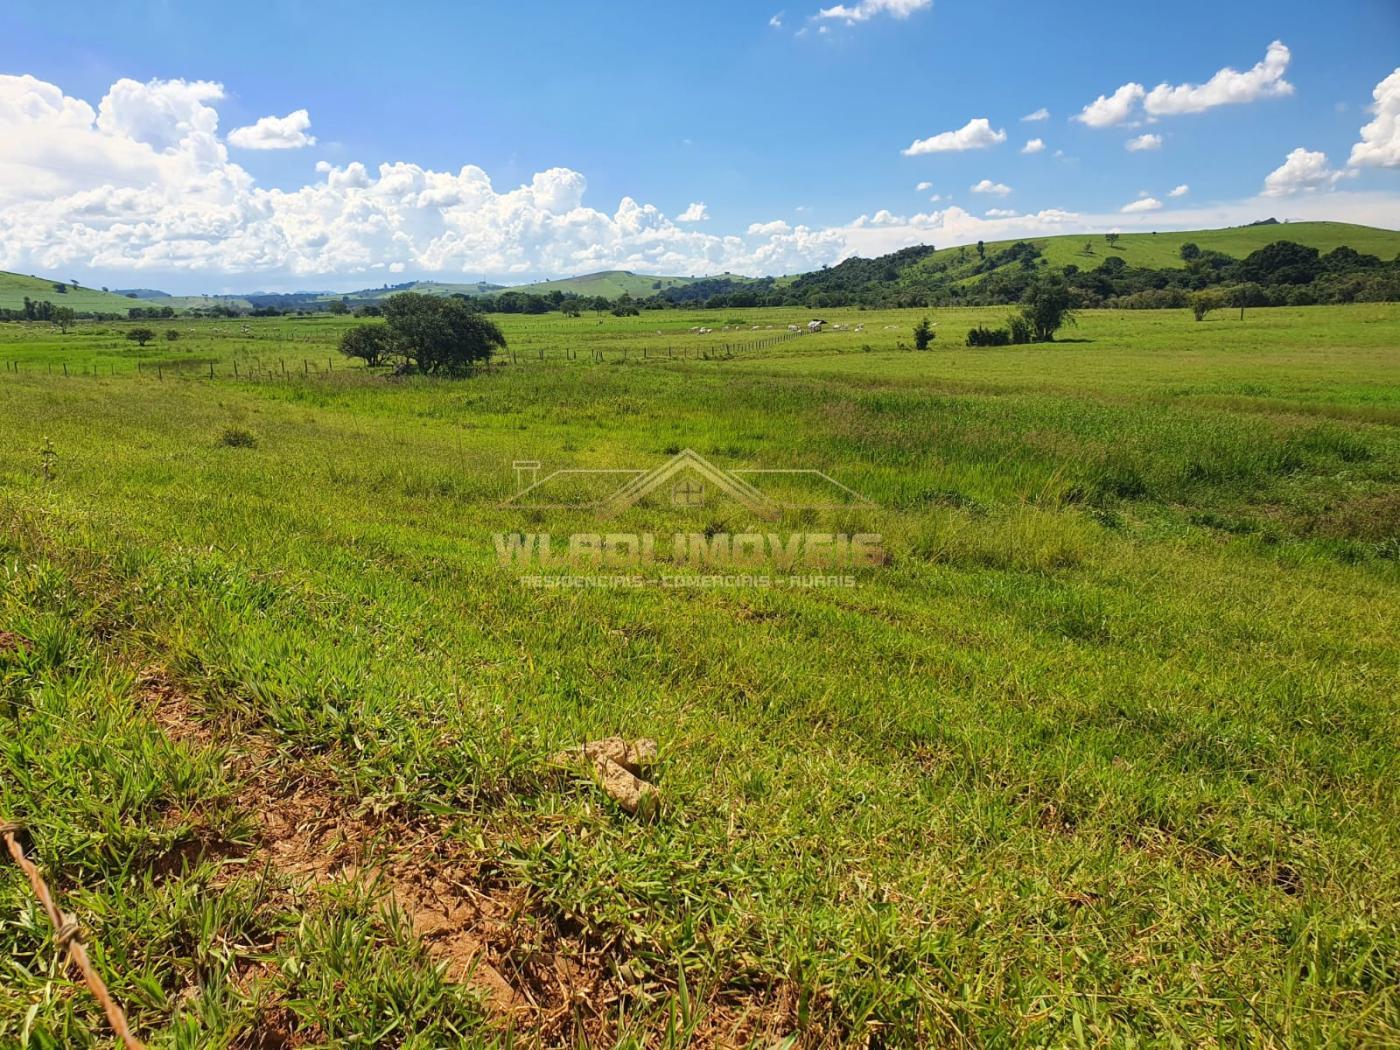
[981,336]
[237,437]
[923,335]
[1203,303]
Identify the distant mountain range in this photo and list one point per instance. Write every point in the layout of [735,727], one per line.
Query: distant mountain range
[911,268]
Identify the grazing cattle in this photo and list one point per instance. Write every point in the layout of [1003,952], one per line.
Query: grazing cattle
[815,326]
[793,328]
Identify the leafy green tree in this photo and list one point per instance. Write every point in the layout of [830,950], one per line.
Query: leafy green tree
[140,336]
[338,307]
[1111,238]
[371,343]
[1048,306]
[1247,294]
[1203,303]
[981,249]
[1190,252]
[439,335]
[923,335]
[171,335]
[1282,262]
[63,317]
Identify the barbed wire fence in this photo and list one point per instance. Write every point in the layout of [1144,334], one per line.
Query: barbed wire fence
[67,934]
[256,368]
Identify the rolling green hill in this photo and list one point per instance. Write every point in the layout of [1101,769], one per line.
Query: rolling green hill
[1163,250]
[15,287]
[195,302]
[608,283]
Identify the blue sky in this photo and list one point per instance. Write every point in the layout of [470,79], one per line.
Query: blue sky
[794,130]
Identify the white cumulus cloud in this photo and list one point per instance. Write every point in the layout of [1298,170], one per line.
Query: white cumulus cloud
[1227,87]
[287,132]
[1380,139]
[1303,171]
[1180,191]
[1142,204]
[143,182]
[1107,110]
[697,212]
[975,134]
[1041,114]
[1143,142]
[996,189]
[768,229]
[868,9]
[1033,146]
[923,187]
[1001,213]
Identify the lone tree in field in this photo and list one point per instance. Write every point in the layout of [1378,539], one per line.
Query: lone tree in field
[981,249]
[63,317]
[923,334]
[171,335]
[439,335]
[1047,307]
[1247,294]
[371,343]
[1111,238]
[140,336]
[1203,303]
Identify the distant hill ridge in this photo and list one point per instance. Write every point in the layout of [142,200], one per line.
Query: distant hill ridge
[909,268]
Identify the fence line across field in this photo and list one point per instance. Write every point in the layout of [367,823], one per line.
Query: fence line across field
[242,369]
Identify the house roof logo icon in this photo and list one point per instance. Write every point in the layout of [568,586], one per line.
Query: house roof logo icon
[689,469]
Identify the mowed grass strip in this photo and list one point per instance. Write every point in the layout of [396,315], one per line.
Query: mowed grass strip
[1105,753]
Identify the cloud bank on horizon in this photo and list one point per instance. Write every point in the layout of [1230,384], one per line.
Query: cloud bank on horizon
[144,181]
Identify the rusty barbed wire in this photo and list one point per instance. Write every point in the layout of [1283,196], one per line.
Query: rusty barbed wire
[67,934]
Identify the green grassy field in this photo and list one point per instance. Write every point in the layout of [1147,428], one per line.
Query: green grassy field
[1104,753]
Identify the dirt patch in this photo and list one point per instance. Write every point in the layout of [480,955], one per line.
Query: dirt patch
[172,709]
[1370,517]
[529,975]
[533,975]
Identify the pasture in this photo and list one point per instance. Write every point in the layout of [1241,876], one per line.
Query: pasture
[1104,754]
